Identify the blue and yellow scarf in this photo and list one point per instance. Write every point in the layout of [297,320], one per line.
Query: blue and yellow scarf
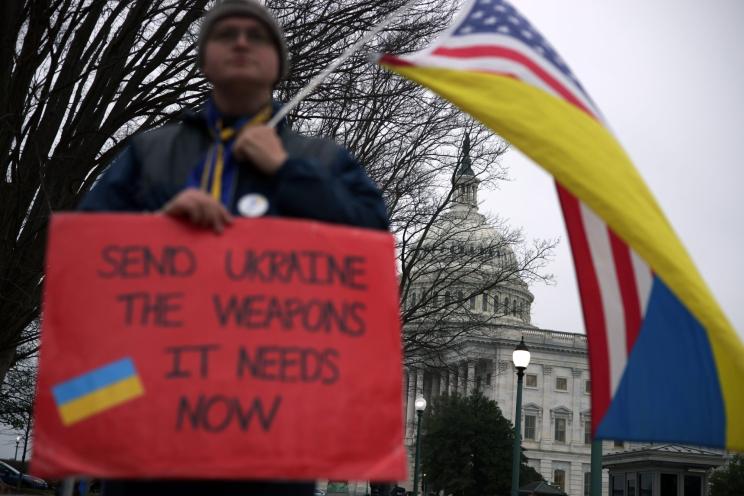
[216,174]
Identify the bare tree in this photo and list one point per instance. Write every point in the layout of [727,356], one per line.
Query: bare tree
[17,393]
[78,77]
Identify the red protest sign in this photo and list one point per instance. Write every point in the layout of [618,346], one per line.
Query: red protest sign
[271,351]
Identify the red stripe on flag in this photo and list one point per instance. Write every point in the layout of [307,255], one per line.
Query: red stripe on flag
[393,60]
[628,288]
[591,304]
[513,55]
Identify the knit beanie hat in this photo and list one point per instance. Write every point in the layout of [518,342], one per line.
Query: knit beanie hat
[244,8]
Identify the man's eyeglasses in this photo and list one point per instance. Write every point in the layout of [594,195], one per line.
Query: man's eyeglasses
[231,34]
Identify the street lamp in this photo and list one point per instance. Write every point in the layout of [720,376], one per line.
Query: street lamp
[521,358]
[18,441]
[420,405]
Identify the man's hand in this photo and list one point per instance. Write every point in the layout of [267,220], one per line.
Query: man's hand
[262,146]
[199,208]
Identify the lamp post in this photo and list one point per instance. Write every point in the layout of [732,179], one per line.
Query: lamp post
[521,358]
[420,405]
[18,441]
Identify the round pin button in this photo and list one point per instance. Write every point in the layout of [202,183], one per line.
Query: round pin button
[253,205]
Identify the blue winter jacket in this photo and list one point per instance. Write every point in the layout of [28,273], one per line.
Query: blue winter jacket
[320,180]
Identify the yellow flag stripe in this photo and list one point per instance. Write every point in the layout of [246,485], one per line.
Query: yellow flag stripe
[219,165]
[587,160]
[100,400]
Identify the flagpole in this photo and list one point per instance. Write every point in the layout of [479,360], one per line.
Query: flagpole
[318,80]
[596,468]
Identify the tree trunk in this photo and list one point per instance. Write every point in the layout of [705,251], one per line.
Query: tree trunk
[25,438]
[6,360]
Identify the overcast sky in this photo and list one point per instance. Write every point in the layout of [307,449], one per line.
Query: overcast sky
[668,76]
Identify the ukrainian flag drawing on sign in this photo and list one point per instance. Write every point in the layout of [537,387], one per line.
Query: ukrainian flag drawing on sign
[98,390]
[665,362]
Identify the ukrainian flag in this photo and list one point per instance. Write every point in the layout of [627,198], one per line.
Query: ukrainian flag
[666,364]
[98,390]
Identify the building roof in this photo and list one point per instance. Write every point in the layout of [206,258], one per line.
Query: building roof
[465,168]
[540,488]
[665,454]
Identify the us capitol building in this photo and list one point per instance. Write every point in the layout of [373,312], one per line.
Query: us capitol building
[556,415]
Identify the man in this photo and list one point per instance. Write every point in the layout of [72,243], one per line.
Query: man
[223,161]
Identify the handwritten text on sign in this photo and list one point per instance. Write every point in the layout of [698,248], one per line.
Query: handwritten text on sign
[270,351]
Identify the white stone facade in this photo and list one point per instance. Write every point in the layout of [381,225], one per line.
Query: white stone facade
[558,404]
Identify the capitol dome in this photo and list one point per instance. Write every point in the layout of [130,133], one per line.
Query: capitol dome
[481,270]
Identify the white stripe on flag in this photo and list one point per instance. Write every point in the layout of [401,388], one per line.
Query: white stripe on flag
[486,64]
[601,251]
[499,40]
[644,279]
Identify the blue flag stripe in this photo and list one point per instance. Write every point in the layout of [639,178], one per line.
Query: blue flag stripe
[93,381]
[670,390]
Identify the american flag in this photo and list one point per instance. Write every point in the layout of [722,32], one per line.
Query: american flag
[492,36]
[615,283]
